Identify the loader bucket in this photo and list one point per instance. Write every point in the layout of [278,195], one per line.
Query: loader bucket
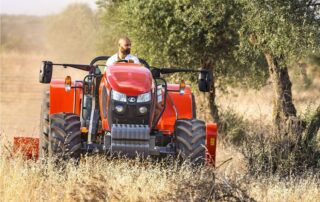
[28,146]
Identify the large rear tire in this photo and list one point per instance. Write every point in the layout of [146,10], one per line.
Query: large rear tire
[191,136]
[44,124]
[65,136]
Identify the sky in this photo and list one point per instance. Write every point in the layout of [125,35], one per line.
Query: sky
[38,7]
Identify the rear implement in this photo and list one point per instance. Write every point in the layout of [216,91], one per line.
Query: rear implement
[27,146]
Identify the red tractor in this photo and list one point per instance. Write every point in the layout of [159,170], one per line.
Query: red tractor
[129,109]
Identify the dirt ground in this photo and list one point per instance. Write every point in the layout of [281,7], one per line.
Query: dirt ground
[20,95]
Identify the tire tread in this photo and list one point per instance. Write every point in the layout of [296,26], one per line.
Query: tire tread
[191,137]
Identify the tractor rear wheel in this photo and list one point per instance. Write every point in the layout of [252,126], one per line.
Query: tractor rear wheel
[44,124]
[65,136]
[191,136]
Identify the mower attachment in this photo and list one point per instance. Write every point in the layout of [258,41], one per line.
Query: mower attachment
[28,146]
[211,143]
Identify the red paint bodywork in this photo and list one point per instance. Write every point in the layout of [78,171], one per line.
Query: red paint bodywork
[211,143]
[62,101]
[131,79]
[177,107]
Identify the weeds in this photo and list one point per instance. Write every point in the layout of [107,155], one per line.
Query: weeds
[233,127]
[267,153]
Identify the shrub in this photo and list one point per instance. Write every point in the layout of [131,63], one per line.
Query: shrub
[232,127]
[284,154]
[267,153]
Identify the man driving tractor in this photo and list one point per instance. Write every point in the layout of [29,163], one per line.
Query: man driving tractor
[123,53]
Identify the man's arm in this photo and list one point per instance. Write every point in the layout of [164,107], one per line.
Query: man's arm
[135,59]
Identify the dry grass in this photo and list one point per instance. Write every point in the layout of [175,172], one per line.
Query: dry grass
[98,178]
[278,190]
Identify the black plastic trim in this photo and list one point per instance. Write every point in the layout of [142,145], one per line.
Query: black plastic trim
[165,100]
[131,113]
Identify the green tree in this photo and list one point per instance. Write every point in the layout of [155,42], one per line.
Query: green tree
[109,28]
[186,33]
[284,31]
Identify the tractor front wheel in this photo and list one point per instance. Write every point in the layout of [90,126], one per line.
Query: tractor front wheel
[65,136]
[191,136]
[44,125]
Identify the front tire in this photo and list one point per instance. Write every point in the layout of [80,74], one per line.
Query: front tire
[44,125]
[65,136]
[191,136]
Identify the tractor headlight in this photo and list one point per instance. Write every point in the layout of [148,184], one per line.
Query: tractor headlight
[146,97]
[119,108]
[143,110]
[115,95]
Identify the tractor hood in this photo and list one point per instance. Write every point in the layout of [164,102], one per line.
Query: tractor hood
[130,79]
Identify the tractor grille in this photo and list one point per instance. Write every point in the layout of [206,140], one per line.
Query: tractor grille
[130,115]
[130,140]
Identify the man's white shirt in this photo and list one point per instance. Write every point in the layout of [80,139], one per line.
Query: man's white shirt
[113,59]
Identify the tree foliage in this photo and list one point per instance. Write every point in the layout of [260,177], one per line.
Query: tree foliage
[109,28]
[234,38]
[187,33]
[286,29]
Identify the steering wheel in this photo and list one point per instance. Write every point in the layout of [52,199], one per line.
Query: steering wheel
[142,61]
[126,61]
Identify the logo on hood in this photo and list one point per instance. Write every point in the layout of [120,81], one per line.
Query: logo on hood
[131,99]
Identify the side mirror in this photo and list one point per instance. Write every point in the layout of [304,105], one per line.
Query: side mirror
[45,73]
[205,81]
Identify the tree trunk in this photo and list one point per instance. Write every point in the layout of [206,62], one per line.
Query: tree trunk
[212,103]
[284,111]
[211,96]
